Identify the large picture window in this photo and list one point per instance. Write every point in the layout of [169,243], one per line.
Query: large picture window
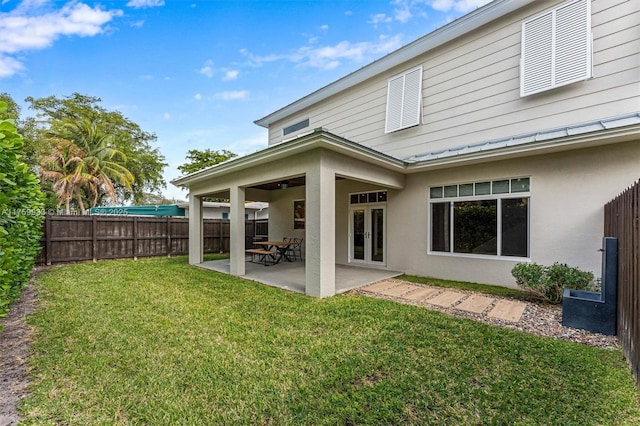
[481,218]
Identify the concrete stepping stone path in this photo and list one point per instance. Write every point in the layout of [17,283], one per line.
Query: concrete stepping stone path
[505,310]
[446,298]
[399,290]
[475,304]
[421,294]
[508,310]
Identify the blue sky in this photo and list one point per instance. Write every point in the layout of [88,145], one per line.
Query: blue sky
[198,73]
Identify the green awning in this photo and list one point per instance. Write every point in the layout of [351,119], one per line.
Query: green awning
[164,210]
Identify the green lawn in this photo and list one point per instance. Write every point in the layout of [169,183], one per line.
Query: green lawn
[158,342]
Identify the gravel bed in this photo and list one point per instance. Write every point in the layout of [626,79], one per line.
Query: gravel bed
[538,318]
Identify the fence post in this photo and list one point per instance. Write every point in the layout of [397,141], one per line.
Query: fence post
[168,236]
[135,238]
[47,239]
[94,240]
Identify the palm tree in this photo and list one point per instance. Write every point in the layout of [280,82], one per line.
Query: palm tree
[96,164]
[60,167]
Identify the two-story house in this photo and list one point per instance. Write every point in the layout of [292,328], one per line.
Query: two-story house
[493,140]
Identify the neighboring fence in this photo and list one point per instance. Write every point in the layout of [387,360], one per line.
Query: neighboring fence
[79,238]
[621,220]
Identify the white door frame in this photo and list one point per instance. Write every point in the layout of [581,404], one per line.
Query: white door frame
[368,257]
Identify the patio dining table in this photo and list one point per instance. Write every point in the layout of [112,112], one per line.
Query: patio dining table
[280,247]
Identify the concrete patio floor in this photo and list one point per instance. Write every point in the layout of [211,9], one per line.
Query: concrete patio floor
[290,275]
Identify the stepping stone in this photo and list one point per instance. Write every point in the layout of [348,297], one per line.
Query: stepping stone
[475,303]
[446,298]
[379,286]
[397,291]
[508,310]
[421,294]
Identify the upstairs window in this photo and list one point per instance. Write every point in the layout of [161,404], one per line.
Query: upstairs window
[556,48]
[404,96]
[295,127]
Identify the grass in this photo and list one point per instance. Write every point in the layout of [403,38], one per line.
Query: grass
[463,285]
[158,342]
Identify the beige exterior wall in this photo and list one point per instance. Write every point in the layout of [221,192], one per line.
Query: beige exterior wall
[568,193]
[471,88]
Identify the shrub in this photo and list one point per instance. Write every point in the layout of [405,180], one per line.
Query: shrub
[547,283]
[21,214]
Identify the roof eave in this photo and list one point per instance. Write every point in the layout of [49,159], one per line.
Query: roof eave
[319,138]
[436,38]
[565,143]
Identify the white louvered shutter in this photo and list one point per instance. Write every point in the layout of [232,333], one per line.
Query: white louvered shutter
[394,103]
[404,95]
[556,48]
[537,54]
[412,96]
[573,43]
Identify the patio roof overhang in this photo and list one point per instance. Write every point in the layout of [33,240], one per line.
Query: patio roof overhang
[316,139]
[617,129]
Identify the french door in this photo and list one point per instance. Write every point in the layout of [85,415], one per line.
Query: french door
[367,234]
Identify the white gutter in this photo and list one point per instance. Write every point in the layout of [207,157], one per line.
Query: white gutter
[467,23]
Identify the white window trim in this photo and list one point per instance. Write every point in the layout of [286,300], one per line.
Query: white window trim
[498,197]
[406,118]
[586,72]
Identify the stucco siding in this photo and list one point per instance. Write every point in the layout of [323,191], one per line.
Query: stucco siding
[568,193]
[471,88]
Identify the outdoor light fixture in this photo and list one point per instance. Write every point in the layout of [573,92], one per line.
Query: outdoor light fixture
[284,184]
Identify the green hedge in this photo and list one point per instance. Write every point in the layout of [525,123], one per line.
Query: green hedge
[21,215]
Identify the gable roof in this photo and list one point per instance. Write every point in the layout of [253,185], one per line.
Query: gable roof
[465,24]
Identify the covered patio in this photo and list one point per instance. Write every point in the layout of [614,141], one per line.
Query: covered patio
[291,275]
[309,167]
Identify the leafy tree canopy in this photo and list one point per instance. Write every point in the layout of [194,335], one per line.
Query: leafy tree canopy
[133,145]
[198,160]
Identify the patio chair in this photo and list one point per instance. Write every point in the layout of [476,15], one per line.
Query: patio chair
[295,250]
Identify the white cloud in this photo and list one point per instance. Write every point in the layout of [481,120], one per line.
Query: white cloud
[249,145]
[140,4]
[9,66]
[379,18]
[207,69]
[231,75]
[330,57]
[166,116]
[233,95]
[324,27]
[197,97]
[462,6]
[403,14]
[28,28]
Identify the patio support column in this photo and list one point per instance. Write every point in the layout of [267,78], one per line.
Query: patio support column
[320,229]
[236,215]
[195,230]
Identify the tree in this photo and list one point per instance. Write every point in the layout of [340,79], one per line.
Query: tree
[132,146]
[157,200]
[199,160]
[84,159]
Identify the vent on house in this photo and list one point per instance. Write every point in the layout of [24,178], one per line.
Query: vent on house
[295,127]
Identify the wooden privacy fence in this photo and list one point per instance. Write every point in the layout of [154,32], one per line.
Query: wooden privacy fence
[621,220]
[80,238]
